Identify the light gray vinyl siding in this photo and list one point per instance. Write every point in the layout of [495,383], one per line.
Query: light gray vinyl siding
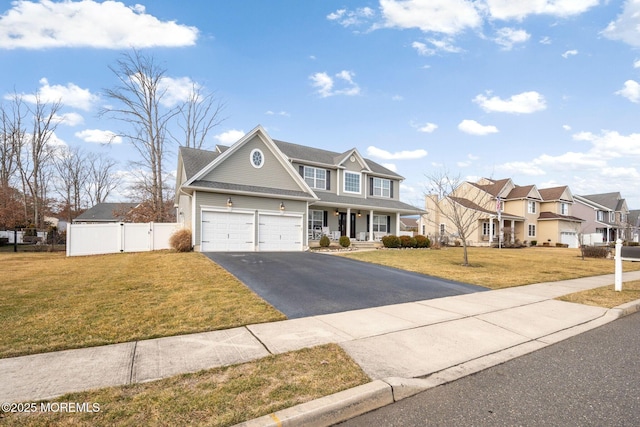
[238,169]
[243,203]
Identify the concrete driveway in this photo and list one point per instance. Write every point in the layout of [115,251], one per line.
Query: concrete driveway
[302,284]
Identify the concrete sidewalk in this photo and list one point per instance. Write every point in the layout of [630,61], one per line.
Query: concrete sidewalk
[437,340]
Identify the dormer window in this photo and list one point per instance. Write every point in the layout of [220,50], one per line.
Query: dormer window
[564,208]
[351,182]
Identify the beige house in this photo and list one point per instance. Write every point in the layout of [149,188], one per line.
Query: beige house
[498,211]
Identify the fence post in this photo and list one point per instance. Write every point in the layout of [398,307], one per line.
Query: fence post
[618,263]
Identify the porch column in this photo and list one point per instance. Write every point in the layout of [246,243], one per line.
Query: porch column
[513,231]
[348,231]
[371,225]
[491,230]
[397,223]
[501,230]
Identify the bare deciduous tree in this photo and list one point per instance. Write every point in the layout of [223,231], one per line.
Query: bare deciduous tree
[72,169]
[102,178]
[450,200]
[198,115]
[138,98]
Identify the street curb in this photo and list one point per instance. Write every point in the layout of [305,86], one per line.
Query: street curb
[330,409]
[356,401]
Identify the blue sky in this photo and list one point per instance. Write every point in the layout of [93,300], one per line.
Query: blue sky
[543,92]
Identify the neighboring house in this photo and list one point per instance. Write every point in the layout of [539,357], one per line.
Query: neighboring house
[497,207]
[265,195]
[104,213]
[409,224]
[606,214]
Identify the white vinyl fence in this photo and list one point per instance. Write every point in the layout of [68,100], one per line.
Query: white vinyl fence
[95,239]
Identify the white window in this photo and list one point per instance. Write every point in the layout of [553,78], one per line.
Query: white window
[532,230]
[612,217]
[381,187]
[351,182]
[486,228]
[257,158]
[380,223]
[316,219]
[531,207]
[564,208]
[442,229]
[315,177]
[600,215]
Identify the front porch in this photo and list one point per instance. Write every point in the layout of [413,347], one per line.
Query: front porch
[359,225]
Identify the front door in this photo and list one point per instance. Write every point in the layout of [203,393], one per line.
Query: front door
[342,223]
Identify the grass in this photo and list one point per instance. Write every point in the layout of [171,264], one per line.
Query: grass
[606,296]
[50,302]
[494,268]
[216,397]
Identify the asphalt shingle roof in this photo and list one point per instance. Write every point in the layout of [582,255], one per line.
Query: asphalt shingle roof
[105,212]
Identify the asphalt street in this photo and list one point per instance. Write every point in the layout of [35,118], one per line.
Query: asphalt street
[591,379]
[303,284]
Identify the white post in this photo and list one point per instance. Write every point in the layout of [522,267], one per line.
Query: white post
[618,263]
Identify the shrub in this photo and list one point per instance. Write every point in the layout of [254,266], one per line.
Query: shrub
[324,241]
[457,243]
[632,243]
[345,242]
[391,241]
[595,251]
[422,241]
[408,242]
[181,240]
[534,242]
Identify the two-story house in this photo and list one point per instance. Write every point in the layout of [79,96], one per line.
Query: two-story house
[606,214]
[503,211]
[261,194]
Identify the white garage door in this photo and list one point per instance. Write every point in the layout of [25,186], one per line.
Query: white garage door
[227,232]
[279,233]
[570,238]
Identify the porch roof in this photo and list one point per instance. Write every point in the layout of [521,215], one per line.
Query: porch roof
[487,213]
[216,186]
[333,200]
[554,216]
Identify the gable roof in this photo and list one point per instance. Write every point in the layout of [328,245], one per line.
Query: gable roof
[320,157]
[524,192]
[105,212]
[612,201]
[194,160]
[554,193]
[493,187]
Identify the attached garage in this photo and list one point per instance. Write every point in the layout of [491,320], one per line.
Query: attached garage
[570,238]
[279,233]
[237,231]
[227,232]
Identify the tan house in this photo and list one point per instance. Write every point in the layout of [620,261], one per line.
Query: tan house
[500,212]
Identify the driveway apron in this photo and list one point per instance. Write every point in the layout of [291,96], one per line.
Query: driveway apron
[302,284]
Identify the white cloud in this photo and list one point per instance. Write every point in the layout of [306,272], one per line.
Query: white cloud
[176,90]
[99,136]
[566,127]
[70,95]
[508,37]
[280,113]
[631,91]
[425,128]
[625,27]
[324,84]
[398,155]
[439,16]
[545,40]
[636,63]
[611,144]
[474,128]
[525,168]
[509,9]
[435,46]
[88,23]
[523,103]
[230,136]
[569,53]
[69,119]
[348,18]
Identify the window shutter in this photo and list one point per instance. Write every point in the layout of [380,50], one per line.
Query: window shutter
[388,224]
[328,180]
[325,218]
[391,189]
[368,223]
[301,170]
[371,186]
